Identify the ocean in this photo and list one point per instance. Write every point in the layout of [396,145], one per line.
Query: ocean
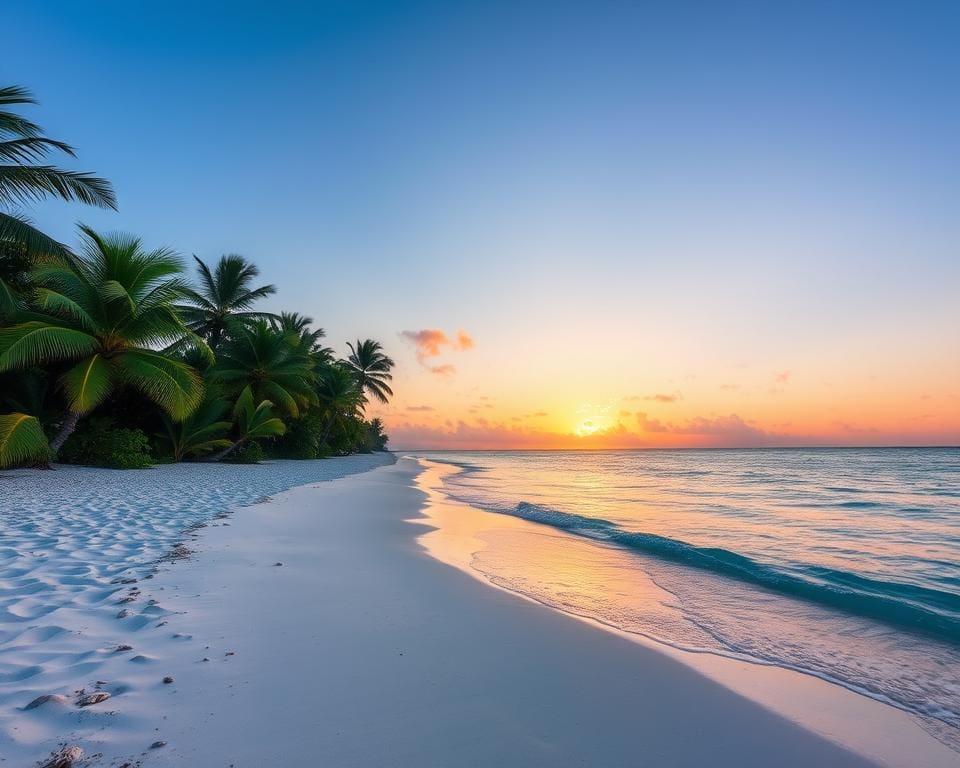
[839,563]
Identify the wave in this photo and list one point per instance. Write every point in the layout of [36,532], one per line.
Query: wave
[920,608]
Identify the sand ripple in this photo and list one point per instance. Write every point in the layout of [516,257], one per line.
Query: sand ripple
[79,549]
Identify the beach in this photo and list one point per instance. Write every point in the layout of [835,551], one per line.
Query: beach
[316,627]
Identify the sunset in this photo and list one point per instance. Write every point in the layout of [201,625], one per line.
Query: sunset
[451,384]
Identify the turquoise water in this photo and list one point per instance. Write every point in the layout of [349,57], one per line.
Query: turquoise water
[843,563]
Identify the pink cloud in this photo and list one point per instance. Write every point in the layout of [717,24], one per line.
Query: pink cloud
[432,342]
[427,341]
[782,377]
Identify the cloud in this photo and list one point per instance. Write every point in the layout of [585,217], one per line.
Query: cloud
[782,377]
[648,424]
[432,342]
[428,342]
[659,398]
[420,408]
[724,429]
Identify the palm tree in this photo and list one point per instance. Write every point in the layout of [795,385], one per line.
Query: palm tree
[224,299]
[25,179]
[339,394]
[104,313]
[377,436]
[252,422]
[203,431]
[371,368]
[298,330]
[261,358]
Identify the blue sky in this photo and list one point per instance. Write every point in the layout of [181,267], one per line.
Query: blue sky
[692,186]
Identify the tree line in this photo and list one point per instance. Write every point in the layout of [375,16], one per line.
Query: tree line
[111,355]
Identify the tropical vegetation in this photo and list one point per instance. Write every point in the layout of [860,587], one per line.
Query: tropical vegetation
[112,355]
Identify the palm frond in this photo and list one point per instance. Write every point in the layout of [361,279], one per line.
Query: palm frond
[29,183]
[21,440]
[36,342]
[12,124]
[9,298]
[61,304]
[32,148]
[171,384]
[87,384]
[18,229]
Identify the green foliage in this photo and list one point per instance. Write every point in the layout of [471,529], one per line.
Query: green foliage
[376,436]
[25,177]
[298,331]
[249,453]
[303,436]
[99,443]
[371,368]
[262,359]
[223,301]
[251,422]
[15,266]
[255,421]
[22,440]
[104,313]
[117,331]
[201,433]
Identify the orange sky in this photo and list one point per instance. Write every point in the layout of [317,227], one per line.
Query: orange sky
[455,392]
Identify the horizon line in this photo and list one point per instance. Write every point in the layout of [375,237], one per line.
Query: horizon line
[685,448]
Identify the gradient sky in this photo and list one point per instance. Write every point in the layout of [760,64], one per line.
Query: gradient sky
[650,223]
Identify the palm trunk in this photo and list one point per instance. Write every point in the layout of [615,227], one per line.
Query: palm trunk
[227,451]
[66,429]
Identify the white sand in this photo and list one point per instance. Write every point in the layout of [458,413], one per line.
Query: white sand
[68,539]
[360,650]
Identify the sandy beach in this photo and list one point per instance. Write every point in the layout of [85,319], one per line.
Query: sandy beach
[316,628]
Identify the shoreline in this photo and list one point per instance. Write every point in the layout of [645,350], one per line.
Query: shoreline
[362,648]
[876,729]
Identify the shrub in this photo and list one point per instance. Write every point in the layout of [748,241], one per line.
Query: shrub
[100,444]
[248,453]
[302,438]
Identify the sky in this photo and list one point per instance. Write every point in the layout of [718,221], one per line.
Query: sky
[572,225]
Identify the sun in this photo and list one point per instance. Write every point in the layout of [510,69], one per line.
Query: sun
[592,419]
[586,428]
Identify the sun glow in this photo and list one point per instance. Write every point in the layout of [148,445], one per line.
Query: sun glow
[592,419]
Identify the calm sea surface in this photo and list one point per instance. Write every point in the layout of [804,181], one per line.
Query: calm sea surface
[842,563]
